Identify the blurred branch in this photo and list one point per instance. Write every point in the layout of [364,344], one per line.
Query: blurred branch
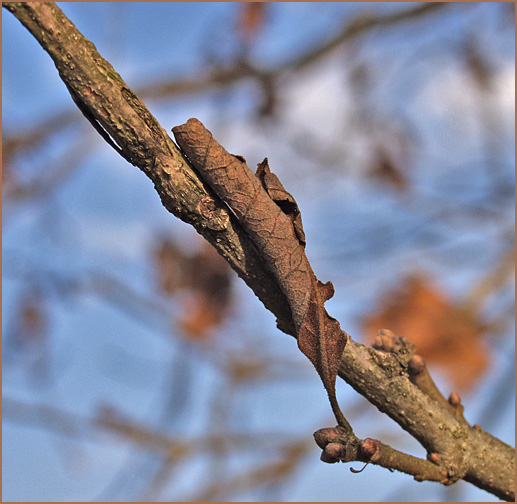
[30,138]
[47,180]
[364,23]
[269,473]
[42,415]
[218,445]
[238,71]
[109,418]
[502,273]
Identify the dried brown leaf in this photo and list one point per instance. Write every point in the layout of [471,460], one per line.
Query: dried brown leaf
[275,235]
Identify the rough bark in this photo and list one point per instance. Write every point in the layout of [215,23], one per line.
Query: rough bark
[107,102]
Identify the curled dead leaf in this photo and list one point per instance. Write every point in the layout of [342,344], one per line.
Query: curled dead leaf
[274,233]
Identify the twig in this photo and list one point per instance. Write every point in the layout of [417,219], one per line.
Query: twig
[338,446]
[467,452]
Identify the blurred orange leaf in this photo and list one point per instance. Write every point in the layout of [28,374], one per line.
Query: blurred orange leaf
[244,368]
[392,149]
[445,334]
[210,282]
[204,280]
[251,19]
[478,66]
[28,336]
[200,315]
[32,323]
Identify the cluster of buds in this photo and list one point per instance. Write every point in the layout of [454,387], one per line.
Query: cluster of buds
[337,445]
[328,439]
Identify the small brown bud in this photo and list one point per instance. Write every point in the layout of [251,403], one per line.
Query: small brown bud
[325,436]
[384,340]
[335,450]
[434,458]
[325,457]
[454,399]
[378,342]
[416,365]
[387,344]
[398,344]
[371,449]
[387,332]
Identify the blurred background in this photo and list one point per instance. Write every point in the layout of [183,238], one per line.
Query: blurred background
[136,364]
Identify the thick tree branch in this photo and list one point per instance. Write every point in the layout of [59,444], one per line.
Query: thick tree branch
[114,108]
[464,452]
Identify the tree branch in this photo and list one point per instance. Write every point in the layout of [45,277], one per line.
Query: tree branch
[338,445]
[463,452]
[111,105]
[466,452]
